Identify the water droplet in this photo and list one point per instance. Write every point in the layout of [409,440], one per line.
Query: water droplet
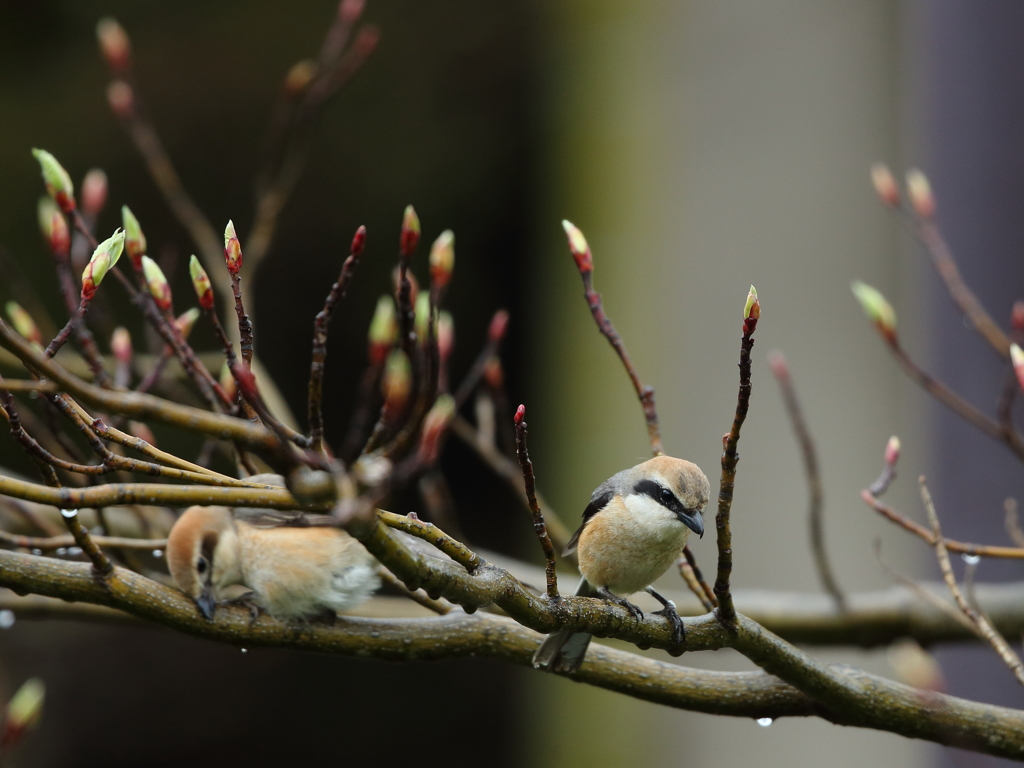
[6,619]
[158,553]
[69,513]
[764,722]
[245,650]
[74,551]
[37,551]
[61,551]
[970,559]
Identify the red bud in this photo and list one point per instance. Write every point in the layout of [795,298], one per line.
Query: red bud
[410,236]
[520,415]
[232,249]
[121,99]
[358,242]
[578,247]
[1017,316]
[499,324]
[94,192]
[114,45]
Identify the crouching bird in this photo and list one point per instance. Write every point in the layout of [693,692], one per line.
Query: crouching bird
[634,528]
[297,566]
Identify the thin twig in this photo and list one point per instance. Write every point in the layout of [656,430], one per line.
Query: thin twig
[507,470]
[320,327]
[726,611]
[708,593]
[982,550]
[585,263]
[690,579]
[955,403]
[1013,523]
[530,484]
[440,607]
[985,629]
[780,370]
[47,543]
[925,594]
[945,265]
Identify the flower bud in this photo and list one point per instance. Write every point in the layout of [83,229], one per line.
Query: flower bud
[579,248]
[499,324]
[885,185]
[442,259]
[920,191]
[186,321]
[157,283]
[434,425]
[1017,316]
[114,45]
[383,330]
[134,239]
[410,236]
[350,10]
[232,249]
[1016,358]
[94,192]
[56,179]
[54,227]
[121,99]
[201,283]
[520,415]
[358,242]
[103,258]
[445,335]
[299,77]
[422,321]
[877,308]
[752,309]
[22,712]
[892,451]
[396,383]
[121,345]
[23,323]
[227,382]
[494,374]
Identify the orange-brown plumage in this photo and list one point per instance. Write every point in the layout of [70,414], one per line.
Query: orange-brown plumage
[293,572]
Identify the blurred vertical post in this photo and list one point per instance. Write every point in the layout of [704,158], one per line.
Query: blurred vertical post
[703,146]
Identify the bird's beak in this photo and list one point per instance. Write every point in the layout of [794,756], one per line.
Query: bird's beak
[694,522]
[207,602]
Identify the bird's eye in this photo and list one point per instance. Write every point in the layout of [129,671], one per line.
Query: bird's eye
[201,565]
[666,495]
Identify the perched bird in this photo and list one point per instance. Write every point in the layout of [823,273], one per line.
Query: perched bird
[297,566]
[634,528]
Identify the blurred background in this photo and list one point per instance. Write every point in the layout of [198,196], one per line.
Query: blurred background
[701,146]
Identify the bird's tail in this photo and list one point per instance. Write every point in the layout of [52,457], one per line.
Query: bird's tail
[563,651]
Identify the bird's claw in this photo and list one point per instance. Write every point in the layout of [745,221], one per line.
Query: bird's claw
[634,610]
[678,628]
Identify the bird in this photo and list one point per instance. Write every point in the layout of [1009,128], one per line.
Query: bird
[634,528]
[298,567]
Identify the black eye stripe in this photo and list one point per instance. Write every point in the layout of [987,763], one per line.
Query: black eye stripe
[660,494]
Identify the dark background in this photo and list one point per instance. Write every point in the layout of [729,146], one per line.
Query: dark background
[440,117]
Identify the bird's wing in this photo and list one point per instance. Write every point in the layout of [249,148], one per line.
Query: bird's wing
[598,501]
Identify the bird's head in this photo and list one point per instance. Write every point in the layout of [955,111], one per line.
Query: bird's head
[676,484]
[202,554]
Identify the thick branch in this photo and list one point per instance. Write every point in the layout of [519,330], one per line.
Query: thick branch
[875,702]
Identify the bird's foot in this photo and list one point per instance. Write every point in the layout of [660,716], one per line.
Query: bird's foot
[622,602]
[673,618]
[247,601]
